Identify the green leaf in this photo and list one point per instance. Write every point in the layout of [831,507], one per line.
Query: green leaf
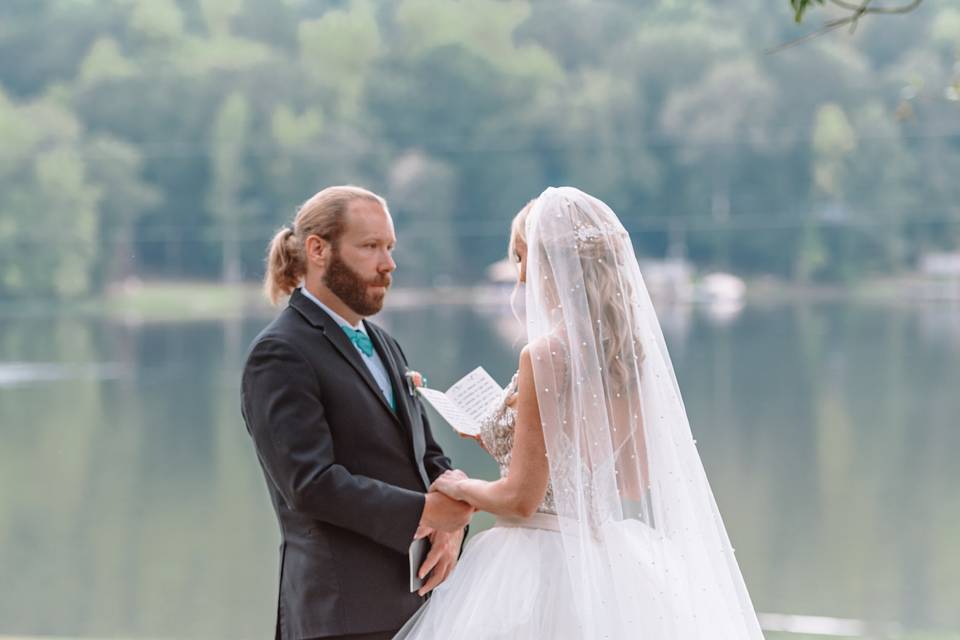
[800,7]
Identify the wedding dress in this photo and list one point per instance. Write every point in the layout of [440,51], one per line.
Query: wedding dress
[627,542]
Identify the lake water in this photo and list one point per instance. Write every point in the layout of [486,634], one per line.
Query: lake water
[132,505]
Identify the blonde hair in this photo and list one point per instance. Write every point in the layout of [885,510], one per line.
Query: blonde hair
[322,215]
[518,231]
[610,298]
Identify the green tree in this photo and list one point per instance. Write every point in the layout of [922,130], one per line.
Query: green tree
[228,146]
[716,124]
[834,142]
[118,167]
[422,193]
[49,210]
[337,51]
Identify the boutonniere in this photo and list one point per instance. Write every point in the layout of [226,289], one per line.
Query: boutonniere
[414,379]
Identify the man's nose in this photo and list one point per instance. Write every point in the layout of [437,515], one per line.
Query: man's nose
[387,264]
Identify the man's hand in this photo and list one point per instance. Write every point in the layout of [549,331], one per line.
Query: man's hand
[439,563]
[444,514]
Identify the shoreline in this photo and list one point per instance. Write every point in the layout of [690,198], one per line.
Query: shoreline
[185,300]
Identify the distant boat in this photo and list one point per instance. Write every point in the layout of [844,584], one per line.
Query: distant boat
[722,296]
[669,280]
[721,288]
[941,276]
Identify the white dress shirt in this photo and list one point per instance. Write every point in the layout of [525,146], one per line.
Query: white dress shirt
[373,362]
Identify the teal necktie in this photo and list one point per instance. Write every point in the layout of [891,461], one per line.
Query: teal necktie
[363,343]
[360,339]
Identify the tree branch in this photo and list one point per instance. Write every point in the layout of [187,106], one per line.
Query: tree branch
[907,8]
[857,11]
[846,5]
[826,28]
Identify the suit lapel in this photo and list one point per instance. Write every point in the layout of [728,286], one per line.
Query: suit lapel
[320,319]
[393,372]
[400,396]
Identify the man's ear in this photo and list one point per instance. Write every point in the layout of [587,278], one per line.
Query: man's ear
[317,250]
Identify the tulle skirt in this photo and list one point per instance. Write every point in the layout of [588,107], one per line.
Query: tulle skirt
[512,583]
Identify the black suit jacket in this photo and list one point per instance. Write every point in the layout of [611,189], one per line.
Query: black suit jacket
[345,473]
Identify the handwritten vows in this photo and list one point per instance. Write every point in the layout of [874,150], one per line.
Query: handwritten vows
[464,404]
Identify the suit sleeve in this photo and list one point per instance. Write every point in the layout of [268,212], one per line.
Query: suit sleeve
[435,462]
[286,418]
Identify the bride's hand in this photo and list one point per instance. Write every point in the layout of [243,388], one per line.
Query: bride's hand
[476,438]
[449,483]
[510,402]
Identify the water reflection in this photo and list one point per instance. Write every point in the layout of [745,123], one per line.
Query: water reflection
[18,373]
[131,503]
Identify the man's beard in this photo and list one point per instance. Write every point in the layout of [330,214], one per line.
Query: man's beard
[352,288]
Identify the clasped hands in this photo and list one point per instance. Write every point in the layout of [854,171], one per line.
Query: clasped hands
[443,520]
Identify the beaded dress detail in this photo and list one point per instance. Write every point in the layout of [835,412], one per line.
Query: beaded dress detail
[496,433]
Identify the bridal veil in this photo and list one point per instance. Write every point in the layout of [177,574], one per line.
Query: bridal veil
[644,547]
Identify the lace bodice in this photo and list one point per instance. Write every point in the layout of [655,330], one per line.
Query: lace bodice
[496,433]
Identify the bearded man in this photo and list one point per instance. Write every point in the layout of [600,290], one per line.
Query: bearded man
[345,447]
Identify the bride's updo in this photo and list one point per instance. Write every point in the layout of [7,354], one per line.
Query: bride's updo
[594,238]
[603,248]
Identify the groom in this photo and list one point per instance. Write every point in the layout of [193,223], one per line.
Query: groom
[345,446]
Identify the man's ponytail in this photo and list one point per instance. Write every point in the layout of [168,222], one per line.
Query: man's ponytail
[285,266]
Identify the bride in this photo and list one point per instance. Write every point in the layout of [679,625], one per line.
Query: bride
[605,523]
